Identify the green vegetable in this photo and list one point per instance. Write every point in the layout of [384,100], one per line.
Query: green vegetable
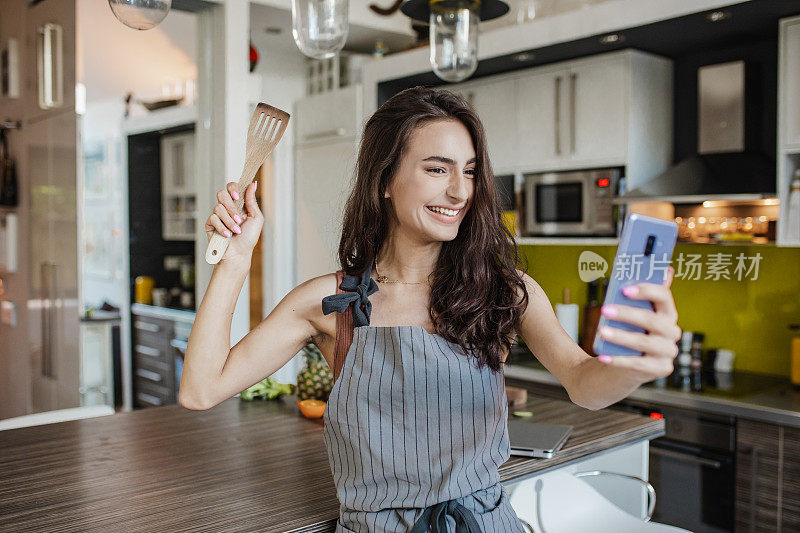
[523,414]
[268,389]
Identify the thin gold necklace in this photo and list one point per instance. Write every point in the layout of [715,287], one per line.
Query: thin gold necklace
[384,279]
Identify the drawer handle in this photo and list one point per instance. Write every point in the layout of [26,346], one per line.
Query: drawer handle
[146,350]
[686,457]
[149,398]
[338,132]
[148,374]
[146,326]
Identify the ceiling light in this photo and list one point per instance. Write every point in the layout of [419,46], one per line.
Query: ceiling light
[612,38]
[716,16]
[453,32]
[320,27]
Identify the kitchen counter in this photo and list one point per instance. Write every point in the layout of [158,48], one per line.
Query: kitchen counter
[166,313]
[240,466]
[774,400]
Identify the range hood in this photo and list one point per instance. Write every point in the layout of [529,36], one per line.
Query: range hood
[736,176]
[726,164]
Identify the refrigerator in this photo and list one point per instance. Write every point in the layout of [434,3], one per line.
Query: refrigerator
[42,350]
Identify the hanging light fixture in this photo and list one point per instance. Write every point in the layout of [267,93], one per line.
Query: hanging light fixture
[454,32]
[319,27]
[140,14]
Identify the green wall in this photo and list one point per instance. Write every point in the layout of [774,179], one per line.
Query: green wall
[750,317]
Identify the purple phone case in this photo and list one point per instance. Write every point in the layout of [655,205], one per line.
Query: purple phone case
[624,272]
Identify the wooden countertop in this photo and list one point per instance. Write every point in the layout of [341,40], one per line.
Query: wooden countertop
[240,466]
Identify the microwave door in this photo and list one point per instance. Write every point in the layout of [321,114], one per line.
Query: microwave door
[560,205]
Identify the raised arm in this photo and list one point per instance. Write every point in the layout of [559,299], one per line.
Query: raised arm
[213,371]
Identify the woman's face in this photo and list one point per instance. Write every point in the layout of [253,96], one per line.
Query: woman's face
[437,171]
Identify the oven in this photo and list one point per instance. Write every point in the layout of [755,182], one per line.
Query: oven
[573,203]
[692,468]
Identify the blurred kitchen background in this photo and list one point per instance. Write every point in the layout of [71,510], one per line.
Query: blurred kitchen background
[116,140]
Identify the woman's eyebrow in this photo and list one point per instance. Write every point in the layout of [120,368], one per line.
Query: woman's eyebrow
[445,160]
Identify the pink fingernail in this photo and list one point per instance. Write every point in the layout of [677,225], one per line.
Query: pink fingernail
[607,331]
[227,233]
[235,195]
[237,218]
[609,310]
[604,358]
[631,290]
[237,229]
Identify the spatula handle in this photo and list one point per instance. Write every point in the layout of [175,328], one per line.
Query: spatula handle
[219,243]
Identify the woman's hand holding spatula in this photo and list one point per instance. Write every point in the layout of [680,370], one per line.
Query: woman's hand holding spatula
[244,227]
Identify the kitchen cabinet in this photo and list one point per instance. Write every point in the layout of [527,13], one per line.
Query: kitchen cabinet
[325,158]
[329,116]
[788,157]
[178,195]
[575,115]
[607,110]
[97,372]
[767,473]
[491,102]
[159,344]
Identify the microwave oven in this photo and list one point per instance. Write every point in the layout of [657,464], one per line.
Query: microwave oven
[574,203]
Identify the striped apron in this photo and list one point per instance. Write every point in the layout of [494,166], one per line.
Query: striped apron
[414,431]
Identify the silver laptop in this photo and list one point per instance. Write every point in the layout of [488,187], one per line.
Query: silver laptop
[535,439]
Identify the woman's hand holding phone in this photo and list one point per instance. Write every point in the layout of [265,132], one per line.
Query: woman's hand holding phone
[659,342]
[244,228]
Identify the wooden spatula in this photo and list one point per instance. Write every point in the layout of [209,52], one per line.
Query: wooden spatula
[266,129]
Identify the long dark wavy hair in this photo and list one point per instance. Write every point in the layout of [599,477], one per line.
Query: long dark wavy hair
[475,285]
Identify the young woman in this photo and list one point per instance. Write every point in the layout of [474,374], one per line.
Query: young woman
[416,326]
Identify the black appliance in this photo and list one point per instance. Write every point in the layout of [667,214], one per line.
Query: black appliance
[692,468]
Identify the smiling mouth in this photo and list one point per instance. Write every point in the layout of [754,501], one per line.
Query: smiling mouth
[452,213]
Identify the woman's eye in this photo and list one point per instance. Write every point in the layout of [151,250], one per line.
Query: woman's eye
[470,171]
[435,168]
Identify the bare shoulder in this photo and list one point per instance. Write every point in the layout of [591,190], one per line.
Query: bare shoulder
[308,296]
[532,286]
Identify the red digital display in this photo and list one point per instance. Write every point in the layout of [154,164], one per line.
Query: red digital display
[603,182]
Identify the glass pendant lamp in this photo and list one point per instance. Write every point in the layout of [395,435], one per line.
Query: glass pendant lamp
[140,14]
[319,27]
[454,32]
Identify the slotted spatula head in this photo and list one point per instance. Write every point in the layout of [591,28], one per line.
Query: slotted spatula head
[266,128]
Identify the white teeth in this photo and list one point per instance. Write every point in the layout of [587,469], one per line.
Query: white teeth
[450,212]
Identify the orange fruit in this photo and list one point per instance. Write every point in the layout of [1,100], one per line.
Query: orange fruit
[312,408]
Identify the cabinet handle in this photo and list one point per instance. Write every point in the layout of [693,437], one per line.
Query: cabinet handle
[148,374]
[685,457]
[558,115]
[146,350]
[149,398]
[337,132]
[50,66]
[147,326]
[573,78]
[49,289]
[753,487]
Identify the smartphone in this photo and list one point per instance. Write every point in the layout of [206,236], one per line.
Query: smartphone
[643,255]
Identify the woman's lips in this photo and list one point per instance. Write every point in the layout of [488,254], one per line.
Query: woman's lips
[441,217]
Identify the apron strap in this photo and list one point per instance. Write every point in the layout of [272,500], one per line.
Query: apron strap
[344,331]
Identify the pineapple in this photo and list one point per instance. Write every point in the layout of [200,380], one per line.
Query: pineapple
[315,380]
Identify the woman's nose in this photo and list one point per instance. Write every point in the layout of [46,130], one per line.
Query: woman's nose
[459,187]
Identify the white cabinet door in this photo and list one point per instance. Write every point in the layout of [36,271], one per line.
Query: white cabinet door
[541,119]
[328,116]
[494,103]
[596,98]
[323,173]
[790,82]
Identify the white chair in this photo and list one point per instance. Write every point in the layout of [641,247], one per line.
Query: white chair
[59,415]
[561,502]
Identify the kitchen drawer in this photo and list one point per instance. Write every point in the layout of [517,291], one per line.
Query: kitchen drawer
[156,376]
[151,325]
[156,351]
[145,389]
